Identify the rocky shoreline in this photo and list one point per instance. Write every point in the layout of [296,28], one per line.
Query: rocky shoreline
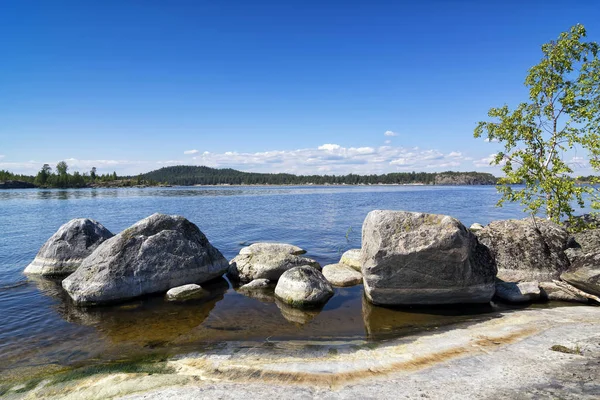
[406,259]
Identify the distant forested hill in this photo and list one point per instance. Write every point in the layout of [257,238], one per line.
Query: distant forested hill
[193,175]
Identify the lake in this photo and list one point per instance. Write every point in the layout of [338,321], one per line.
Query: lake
[39,326]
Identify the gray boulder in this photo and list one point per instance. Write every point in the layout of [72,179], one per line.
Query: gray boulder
[341,275]
[523,292]
[562,291]
[583,244]
[303,287]
[63,253]
[416,258]
[266,261]
[257,284]
[157,253]
[272,248]
[352,258]
[585,274]
[527,251]
[186,292]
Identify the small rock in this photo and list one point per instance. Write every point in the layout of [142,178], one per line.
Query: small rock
[272,248]
[266,261]
[341,275]
[186,292]
[476,227]
[522,292]
[303,287]
[64,252]
[256,284]
[351,258]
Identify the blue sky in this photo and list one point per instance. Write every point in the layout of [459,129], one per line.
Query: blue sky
[269,86]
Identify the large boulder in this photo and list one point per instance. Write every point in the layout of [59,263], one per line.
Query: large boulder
[525,250]
[341,275]
[303,287]
[416,258]
[157,253]
[266,261]
[583,244]
[63,253]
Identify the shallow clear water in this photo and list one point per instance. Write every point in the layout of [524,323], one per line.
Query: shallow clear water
[39,325]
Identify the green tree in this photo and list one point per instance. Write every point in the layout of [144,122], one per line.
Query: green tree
[42,176]
[62,168]
[562,114]
[93,173]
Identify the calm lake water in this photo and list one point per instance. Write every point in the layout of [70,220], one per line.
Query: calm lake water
[39,326]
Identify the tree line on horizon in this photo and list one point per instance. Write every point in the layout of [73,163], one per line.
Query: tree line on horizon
[60,177]
[200,175]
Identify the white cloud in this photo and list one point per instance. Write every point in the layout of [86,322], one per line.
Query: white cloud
[390,133]
[1,156]
[455,154]
[387,142]
[329,147]
[485,162]
[191,152]
[491,140]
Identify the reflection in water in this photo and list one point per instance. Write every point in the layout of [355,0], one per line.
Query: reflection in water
[147,322]
[385,323]
[296,315]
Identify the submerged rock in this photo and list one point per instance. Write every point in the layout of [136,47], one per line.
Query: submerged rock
[267,261]
[157,253]
[303,287]
[186,292]
[341,275]
[416,258]
[352,258]
[522,292]
[527,251]
[63,253]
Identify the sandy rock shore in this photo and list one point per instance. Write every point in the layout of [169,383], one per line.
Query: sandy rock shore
[506,357]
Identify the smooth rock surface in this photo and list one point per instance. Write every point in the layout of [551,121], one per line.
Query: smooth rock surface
[522,292]
[257,284]
[476,227]
[157,253]
[63,253]
[352,258]
[303,287]
[264,247]
[416,258]
[267,261]
[561,291]
[585,275]
[342,275]
[525,251]
[186,292]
